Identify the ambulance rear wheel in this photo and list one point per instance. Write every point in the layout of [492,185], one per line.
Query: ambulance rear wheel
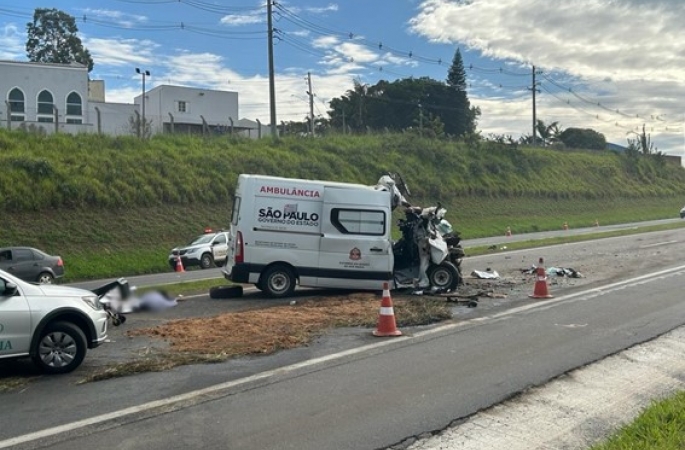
[278,281]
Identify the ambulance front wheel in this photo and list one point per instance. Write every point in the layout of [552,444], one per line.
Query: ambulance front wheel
[278,281]
[444,276]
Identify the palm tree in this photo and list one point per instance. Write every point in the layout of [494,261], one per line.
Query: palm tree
[548,133]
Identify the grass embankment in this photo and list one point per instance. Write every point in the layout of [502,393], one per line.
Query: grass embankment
[116,206]
[659,427]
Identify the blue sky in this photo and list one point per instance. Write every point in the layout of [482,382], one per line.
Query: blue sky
[609,65]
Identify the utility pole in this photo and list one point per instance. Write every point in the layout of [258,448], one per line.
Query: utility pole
[534,89]
[272,84]
[311,104]
[143,73]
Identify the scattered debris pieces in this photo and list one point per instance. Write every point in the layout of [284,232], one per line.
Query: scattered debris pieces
[558,271]
[488,274]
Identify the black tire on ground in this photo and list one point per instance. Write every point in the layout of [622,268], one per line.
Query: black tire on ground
[224,292]
[60,348]
[444,276]
[278,281]
[45,278]
[206,261]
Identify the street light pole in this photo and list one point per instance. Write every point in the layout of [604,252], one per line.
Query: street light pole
[144,73]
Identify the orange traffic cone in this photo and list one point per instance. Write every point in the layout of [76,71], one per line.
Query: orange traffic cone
[540,290]
[508,232]
[386,316]
[179,264]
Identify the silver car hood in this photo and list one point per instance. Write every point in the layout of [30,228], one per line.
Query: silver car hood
[63,291]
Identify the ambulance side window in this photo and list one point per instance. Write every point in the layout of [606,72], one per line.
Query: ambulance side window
[359,221]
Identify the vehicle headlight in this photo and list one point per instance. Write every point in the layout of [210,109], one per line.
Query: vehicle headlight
[93,301]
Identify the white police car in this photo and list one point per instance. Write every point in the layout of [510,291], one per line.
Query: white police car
[54,325]
[206,250]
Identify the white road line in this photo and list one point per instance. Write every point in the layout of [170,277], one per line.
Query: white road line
[658,244]
[48,432]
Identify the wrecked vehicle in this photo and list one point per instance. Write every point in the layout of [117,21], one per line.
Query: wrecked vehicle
[428,251]
[326,234]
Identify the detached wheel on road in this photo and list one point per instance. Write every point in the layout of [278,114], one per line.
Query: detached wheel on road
[278,281]
[206,261]
[224,292]
[444,276]
[60,349]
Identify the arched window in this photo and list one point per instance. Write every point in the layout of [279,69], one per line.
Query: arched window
[17,105]
[74,108]
[74,105]
[45,106]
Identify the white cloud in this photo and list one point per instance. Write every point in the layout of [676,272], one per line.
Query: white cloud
[331,7]
[300,33]
[626,55]
[121,52]
[246,19]
[12,43]
[117,17]
[325,42]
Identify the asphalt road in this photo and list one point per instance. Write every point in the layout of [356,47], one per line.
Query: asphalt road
[377,395]
[376,392]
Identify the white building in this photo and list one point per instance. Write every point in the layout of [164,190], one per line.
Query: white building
[181,109]
[61,98]
[49,96]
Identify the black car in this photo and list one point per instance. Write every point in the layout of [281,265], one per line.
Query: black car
[31,264]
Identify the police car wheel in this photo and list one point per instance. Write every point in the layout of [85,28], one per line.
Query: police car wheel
[206,261]
[60,348]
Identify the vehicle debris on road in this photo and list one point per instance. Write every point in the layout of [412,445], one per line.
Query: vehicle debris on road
[487,274]
[558,271]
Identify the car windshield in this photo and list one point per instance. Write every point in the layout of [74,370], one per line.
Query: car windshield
[204,239]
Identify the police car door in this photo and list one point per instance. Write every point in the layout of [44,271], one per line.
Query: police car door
[220,247]
[355,250]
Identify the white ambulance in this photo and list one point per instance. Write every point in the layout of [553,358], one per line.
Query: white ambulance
[318,233]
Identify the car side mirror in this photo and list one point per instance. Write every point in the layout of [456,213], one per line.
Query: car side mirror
[9,290]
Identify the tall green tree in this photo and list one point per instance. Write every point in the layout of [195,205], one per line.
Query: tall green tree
[52,38]
[456,75]
[583,138]
[465,116]
[351,108]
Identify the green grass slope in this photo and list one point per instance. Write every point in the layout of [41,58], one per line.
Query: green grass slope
[115,206]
